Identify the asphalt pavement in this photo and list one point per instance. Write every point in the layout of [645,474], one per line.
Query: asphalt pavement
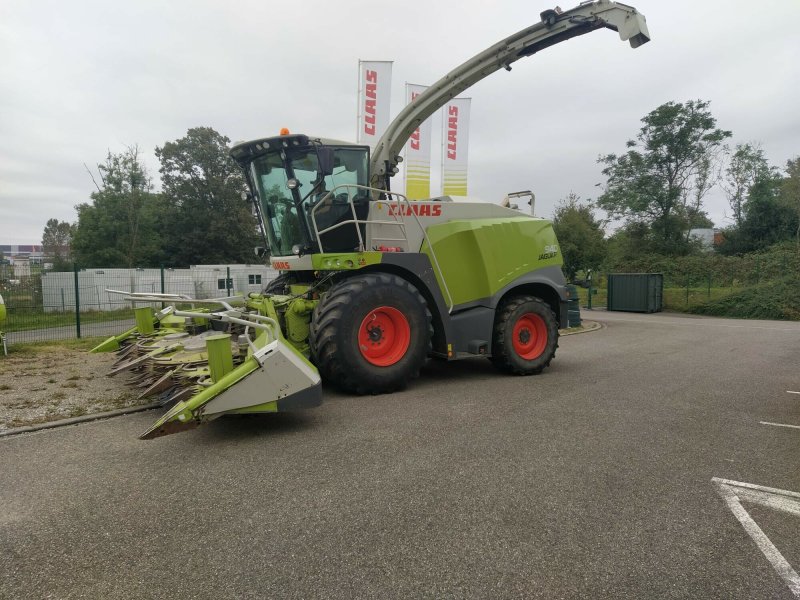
[592,480]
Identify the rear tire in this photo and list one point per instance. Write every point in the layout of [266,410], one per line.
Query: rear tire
[371,333]
[525,336]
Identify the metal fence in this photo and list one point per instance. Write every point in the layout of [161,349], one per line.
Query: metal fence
[694,281]
[63,305]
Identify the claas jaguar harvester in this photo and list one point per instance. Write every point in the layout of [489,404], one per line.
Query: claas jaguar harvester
[371,285]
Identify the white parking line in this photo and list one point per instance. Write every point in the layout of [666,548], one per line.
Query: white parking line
[732,492]
[779,424]
[686,322]
[791,392]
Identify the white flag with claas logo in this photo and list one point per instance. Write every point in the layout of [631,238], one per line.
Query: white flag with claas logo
[418,153]
[455,141]
[374,96]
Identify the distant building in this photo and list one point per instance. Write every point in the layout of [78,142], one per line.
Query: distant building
[33,252]
[198,281]
[709,238]
[22,257]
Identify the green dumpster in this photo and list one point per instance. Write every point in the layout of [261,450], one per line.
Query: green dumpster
[636,292]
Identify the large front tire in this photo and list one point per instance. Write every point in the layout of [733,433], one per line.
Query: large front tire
[525,336]
[371,333]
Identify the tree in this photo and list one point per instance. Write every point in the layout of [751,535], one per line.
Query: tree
[790,193]
[203,186]
[766,218]
[663,177]
[122,225]
[580,235]
[747,164]
[56,240]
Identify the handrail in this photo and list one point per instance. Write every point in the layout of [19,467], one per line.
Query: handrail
[357,222]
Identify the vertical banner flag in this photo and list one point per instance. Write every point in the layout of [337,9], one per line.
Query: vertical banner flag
[374,95]
[455,141]
[418,154]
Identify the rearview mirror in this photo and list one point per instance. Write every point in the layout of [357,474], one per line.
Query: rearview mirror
[325,160]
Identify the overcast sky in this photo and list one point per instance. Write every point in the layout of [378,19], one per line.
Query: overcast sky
[80,78]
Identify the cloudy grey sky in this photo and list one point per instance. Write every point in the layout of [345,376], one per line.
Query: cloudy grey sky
[83,77]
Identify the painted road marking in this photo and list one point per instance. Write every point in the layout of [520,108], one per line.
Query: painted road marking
[694,323]
[733,492]
[791,392]
[779,424]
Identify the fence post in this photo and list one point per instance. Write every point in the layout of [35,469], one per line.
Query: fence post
[77,301]
[687,289]
[709,286]
[589,290]
[228,281]
[163,305]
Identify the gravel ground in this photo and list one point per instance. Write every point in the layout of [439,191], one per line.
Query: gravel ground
[44,383]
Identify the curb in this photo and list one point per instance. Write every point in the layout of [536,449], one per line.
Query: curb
[587,327]
[75,420]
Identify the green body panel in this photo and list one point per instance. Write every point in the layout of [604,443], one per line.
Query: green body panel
[144,319]
[345,261]
[299,289]
[264,305]
[298,322]
[220,359]
[480,257]
[296,315]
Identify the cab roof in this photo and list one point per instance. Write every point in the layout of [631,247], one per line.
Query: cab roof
[244,151]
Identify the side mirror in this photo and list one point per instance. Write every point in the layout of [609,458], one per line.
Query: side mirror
[261,252]
[325,160]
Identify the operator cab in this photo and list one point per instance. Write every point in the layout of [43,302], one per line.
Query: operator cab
[303,187]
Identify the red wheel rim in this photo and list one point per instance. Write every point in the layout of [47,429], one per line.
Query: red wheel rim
[529,336]
[384,336]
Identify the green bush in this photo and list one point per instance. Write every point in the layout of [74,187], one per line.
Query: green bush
[725,271]
[774,300]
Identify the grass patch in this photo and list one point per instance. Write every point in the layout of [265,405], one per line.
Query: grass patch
[25,319]
[37,348]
